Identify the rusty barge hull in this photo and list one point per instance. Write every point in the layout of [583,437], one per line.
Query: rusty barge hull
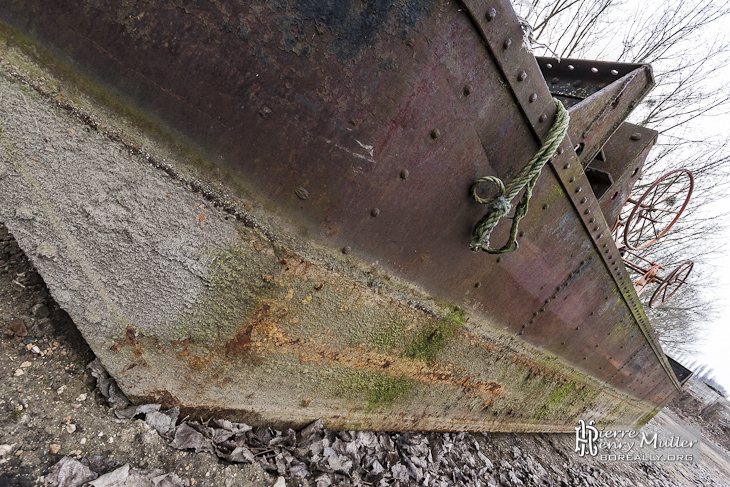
[322,266]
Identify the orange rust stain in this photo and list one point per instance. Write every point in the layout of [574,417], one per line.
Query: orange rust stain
[199,363]
[130,338]
[535,368]
[241,342]
[294,265]
[131,335]
[436,373]
[259,334]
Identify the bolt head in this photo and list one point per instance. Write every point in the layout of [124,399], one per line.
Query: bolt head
[302,193]
[542,118]
[375,212]
[435,133]
[533,98]
[346,250]
[491,14]
[507,43]
[522,76]
[636,136]
[404,174]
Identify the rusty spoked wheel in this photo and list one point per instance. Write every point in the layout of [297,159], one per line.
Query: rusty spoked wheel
[671,284]
[658,209]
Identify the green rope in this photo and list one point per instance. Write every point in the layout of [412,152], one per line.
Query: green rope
[500,205]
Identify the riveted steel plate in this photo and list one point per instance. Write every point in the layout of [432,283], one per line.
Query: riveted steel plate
[599,95]
[623,158]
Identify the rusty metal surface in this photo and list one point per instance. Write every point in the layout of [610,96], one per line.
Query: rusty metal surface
[623,158]
[574,80]
[363,129]
[599,96]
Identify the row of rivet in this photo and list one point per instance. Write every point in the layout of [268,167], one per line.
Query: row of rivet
[617,270]
[490,15]
[554,296]
[598,230]
[594,69]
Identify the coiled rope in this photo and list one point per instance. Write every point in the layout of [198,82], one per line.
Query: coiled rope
[499,205]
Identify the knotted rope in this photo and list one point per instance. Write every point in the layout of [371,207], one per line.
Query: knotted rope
[498,206]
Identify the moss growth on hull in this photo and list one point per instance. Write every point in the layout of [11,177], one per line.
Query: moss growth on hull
[430,341]
[387,389]
[569,394]
[376,389]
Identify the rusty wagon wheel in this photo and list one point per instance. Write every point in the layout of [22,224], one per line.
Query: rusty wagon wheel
[671,284]
[658,209]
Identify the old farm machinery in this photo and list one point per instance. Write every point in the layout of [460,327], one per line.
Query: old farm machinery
[648,219]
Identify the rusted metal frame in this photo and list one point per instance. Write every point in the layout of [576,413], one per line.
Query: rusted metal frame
[617,96]
[614,111]
[499,28]
[626,151]
[573,80]
[568,169]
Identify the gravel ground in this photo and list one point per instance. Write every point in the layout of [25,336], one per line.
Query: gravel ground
[57,428]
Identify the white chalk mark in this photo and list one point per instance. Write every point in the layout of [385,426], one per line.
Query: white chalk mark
[353,153]
[368,148]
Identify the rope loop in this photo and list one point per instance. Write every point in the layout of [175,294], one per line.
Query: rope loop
[487,179]
[499,205]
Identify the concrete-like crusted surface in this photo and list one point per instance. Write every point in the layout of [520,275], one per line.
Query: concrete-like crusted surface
[49,413]
[189,307]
